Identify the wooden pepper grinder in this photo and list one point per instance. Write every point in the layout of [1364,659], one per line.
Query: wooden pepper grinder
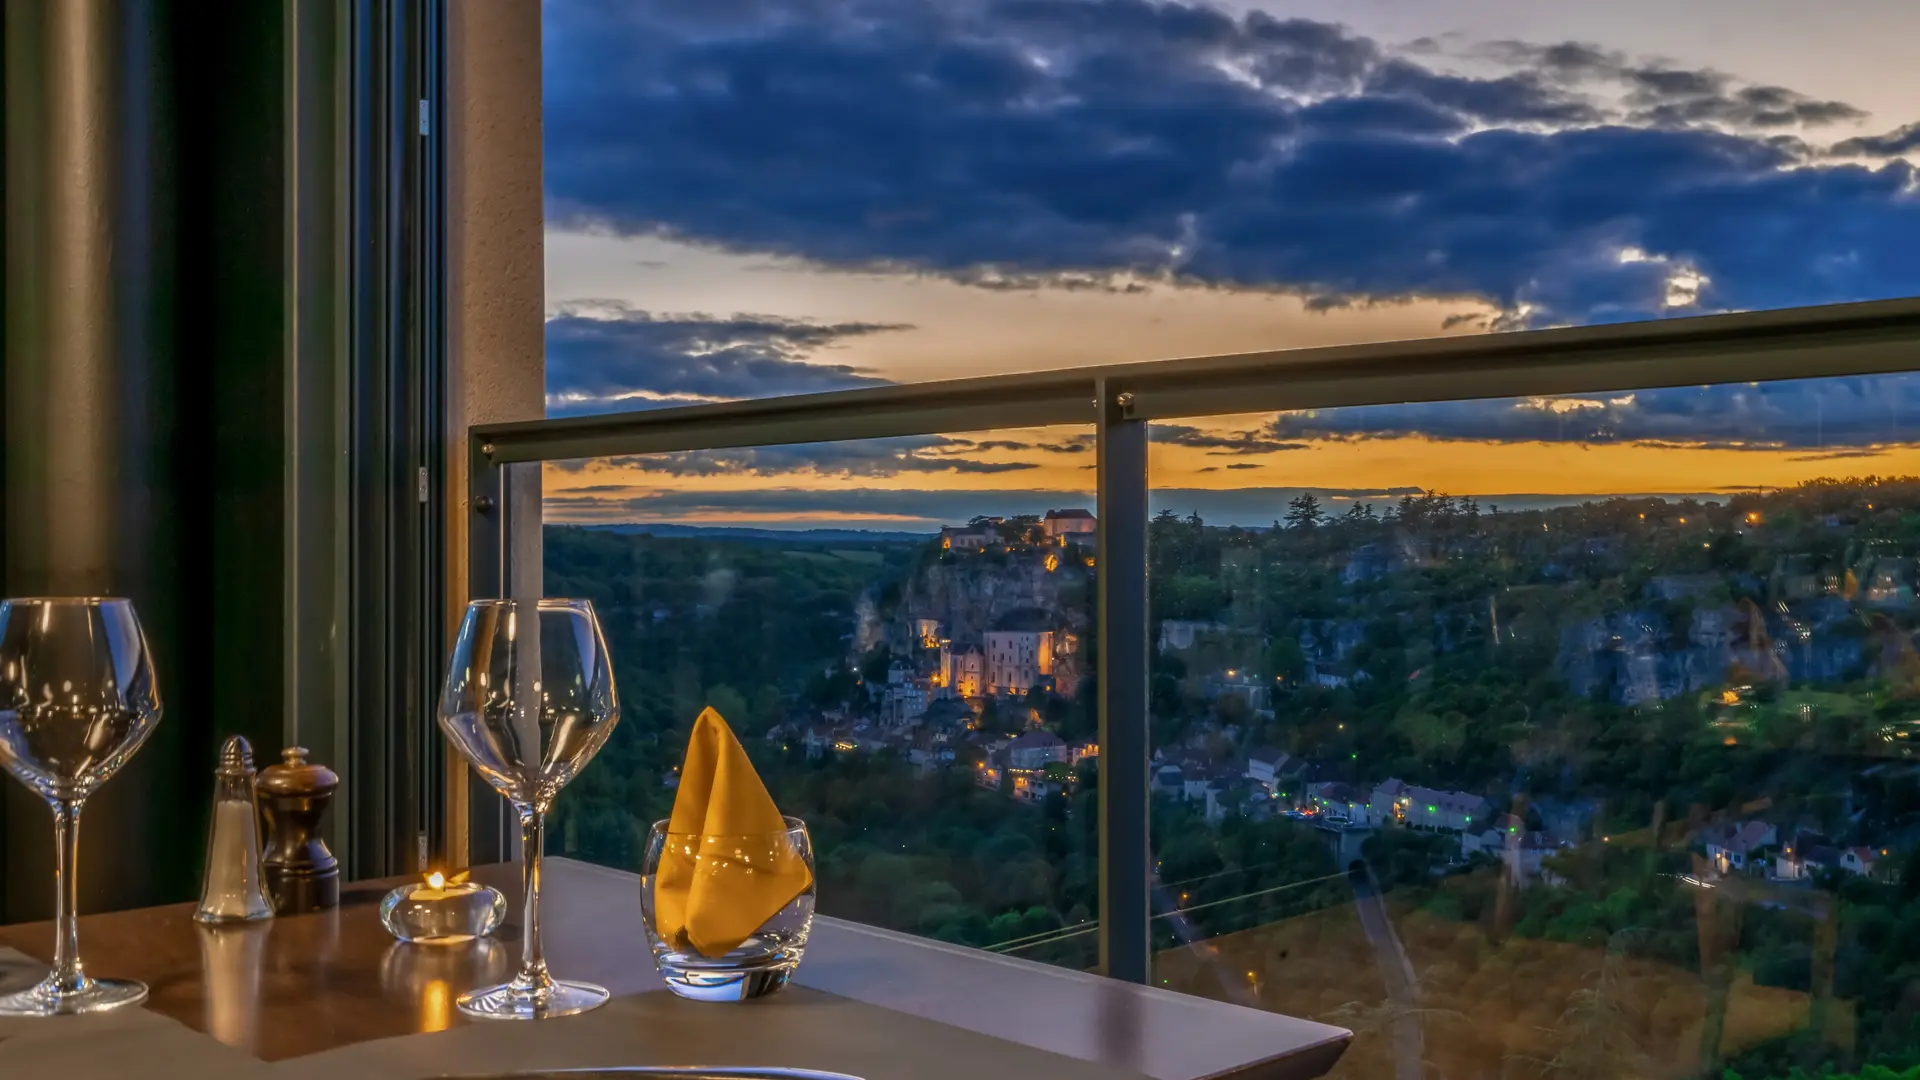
[302,875]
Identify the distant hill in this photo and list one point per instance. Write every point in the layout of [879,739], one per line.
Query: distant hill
[781,536]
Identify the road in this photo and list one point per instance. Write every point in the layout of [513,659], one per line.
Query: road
[1396,971]
[1167,908]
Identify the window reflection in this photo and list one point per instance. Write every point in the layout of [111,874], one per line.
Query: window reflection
[1602,764]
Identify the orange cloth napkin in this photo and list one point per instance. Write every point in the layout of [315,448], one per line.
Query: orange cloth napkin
[728,867]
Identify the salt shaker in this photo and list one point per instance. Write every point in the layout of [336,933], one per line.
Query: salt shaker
[302,875]
[234,889]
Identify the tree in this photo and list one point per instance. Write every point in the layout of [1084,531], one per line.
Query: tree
[1303,511]
[732,706]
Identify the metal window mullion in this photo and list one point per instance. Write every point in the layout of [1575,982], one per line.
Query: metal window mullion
[429,428]
[1121,662]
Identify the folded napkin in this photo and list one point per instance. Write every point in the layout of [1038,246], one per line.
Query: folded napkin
[728,867]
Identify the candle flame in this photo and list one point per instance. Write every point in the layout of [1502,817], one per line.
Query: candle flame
[436,880]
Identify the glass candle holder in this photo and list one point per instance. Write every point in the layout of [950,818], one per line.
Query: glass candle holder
[441,912]
[756,960]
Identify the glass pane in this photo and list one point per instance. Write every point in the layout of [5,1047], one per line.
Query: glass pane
[1551,735]
[764,198]
[899,631]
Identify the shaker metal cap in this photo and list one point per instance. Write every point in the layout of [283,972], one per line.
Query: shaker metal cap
[236,757]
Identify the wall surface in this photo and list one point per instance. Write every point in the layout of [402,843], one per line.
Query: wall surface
[496,273]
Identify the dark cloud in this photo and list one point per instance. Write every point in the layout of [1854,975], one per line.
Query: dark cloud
[1523,98]
[1222,442]
[1380,114]
[1839,455]
[1074,444]
[866,459]
[600,353]
[1904,140]
[1839,417]
[1663,95]
[929,508]
[1748,106]
[1110,143]
[961,445]
[808,507]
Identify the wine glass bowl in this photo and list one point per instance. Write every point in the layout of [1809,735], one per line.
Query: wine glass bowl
[78,698]
[528,701]
[77,693]
[529,754]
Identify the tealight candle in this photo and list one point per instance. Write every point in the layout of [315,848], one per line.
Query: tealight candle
[440,910]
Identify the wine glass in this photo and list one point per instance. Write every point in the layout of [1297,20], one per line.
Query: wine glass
[529,700]
[77,698]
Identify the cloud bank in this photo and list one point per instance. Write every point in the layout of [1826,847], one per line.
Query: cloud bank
[1105,143]
[606,355]
[1850,415]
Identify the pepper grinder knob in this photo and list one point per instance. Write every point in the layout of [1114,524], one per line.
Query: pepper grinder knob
[302,875]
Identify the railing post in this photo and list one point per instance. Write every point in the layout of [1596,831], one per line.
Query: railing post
[1121,611]
[489,506]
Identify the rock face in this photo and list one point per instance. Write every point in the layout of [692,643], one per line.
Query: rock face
[1635,657]
[969,595]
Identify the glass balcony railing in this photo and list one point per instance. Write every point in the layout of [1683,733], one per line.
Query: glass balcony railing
[909,666]
[1546,729]
[1546,702]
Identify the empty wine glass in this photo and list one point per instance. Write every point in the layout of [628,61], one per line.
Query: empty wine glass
[77,698]
[529,700]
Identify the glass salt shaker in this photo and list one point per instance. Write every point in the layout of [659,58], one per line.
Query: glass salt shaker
[234,889]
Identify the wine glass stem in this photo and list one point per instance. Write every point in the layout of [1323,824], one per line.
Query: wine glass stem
[533,963]
[67,975]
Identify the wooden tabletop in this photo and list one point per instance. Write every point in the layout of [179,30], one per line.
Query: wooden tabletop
[300,985]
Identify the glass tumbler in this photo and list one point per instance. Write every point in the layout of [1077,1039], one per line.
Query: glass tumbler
[765,961]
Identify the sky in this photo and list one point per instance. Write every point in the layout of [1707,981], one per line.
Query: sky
[756,197]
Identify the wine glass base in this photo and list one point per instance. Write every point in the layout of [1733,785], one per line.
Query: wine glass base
[98,995]
[505,1002]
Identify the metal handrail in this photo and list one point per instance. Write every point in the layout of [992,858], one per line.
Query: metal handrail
[1841,339]
[1119,401]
